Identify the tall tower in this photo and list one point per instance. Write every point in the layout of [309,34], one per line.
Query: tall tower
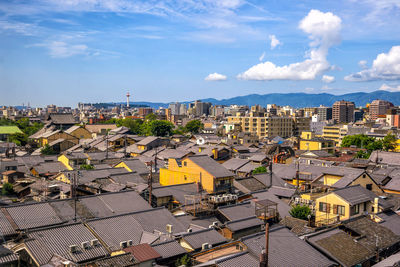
[127,99]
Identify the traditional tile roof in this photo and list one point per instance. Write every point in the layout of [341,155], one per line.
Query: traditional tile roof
[356,194]
[123,260]
[198,238]
[234,164]
[50,167]
[237,211]
[390,220]
[211,166]
[62,118]
[136,166]
[178,192]
[148,140]
[238,260]
[389,158]
[243,224]
[285,249]
[169,249]
[43,244]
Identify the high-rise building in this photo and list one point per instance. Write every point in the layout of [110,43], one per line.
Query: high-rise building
[379,107]
[325,113]
[343,111]
[201,108]
[175,108]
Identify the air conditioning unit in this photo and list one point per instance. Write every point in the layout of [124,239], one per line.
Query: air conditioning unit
[205,246]
[73,248]
[169,228]
[123,244]
[189,230]
[130,243]
[85,245]
[94,242]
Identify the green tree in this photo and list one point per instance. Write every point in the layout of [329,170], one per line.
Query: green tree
[161,128]
[389,142]
[86,167]
[185,261]
[7,189]
[151,117]
[20,139]
[47,150]
[194,126]
[300,212]
[261,169]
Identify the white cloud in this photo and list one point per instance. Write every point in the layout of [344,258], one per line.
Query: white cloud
[215,77]
[261,58]
[363,64]
[385,87]
[59,49]
[384,67]
[324,31]
[326,88]
[328,79]
[274,41]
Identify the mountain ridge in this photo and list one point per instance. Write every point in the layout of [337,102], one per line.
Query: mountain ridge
[297,100]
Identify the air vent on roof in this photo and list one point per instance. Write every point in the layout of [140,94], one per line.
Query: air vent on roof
[130,242]
[94,242]
[215,224]
[85,245]
[73,248]
[123,244]
[189,230]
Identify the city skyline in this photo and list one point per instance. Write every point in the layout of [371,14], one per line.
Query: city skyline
[64,52]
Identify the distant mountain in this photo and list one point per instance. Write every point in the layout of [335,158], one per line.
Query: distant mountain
[296,100]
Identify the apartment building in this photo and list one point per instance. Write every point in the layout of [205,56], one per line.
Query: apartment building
[379,107]
[343,111]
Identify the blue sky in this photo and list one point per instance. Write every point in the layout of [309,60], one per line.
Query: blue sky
[68,51]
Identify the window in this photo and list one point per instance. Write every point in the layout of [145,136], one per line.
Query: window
[322,206]
[355,210]
[185,163]
[185,177]
[369,186]
[339,209]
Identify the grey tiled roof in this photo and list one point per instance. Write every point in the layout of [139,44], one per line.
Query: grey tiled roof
[177,191]
[243,259]
[237,211]
[389,158]
[33,215]
[43,244]
[285,249]
[6,228]
[355,194]
[198,238]
[244,223]
[169,249]
[391,221]
[234,164]
[211,166]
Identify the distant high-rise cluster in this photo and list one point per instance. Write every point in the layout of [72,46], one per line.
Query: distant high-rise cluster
[343,111]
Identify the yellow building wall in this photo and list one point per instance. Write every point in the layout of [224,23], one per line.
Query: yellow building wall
[367,180]
[332,199]
[81,133]
[306,135]
[331,179]
[186,174]
[310,145]
[64,160]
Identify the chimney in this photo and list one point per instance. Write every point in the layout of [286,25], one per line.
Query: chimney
[376,205]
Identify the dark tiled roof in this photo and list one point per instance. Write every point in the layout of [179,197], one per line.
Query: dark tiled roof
[123,260]
[43,244]
[62,118]
[285,249]
[235,163]
[244,223]
[198,238]
[243,259]
[169,249]
[211,166]
[355,194]
[237,211]
[178,192]
[391,221]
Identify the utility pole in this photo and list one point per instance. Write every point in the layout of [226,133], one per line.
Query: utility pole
[125,146]
[264,253]
[297,175]
[150,181]
[107,145]
[270,174]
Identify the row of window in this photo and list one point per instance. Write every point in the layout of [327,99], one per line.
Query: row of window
[337,209]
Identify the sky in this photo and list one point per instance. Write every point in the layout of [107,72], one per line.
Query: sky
[67,51]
